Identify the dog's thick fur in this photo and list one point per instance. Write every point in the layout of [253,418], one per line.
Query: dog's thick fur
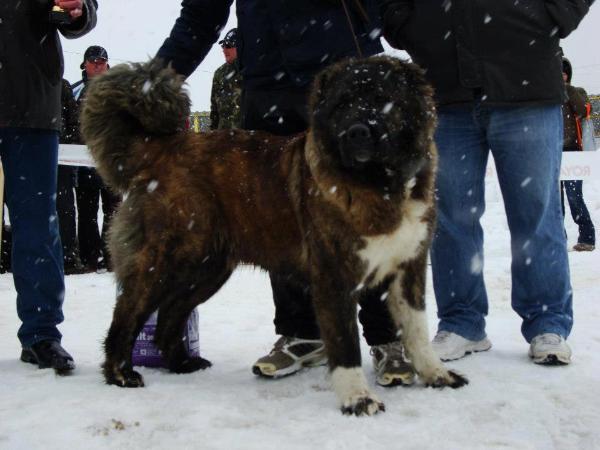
[346,208]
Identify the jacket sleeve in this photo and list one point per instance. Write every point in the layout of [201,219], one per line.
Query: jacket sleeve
[214,113]
[195,31]
[394,15]
[83,24]
[567,14]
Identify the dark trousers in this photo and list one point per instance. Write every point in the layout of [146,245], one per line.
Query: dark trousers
[283,112]
[30,159]
[579,212]
[92,244]
[65,208]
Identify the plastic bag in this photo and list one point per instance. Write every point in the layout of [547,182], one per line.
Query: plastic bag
[145,352]
[587,135]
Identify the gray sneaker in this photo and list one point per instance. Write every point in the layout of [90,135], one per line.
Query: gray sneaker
[289,355]
[391,366]
[549,349]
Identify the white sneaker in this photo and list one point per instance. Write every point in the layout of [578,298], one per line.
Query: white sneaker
[449,346]
[549,349]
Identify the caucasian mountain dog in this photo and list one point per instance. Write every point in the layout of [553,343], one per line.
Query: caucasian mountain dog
[347,207]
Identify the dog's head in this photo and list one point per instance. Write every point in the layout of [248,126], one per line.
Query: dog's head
[375,118]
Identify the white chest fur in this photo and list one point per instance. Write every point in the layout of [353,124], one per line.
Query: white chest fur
[383,253]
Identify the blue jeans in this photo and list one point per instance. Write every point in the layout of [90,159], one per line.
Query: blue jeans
[579,212]
[29,158]
[526,143]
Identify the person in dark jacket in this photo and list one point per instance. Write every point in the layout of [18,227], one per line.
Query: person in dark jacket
[496,69]
[30,89]
[281,47]
[66,182]
[576,108]
[226,92]
[90,189]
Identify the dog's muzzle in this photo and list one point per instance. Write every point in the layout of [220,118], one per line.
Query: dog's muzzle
[357,145]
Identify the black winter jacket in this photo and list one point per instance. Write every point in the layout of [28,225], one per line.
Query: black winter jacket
[31,62]
[280,42]
[69,114]
[504,52]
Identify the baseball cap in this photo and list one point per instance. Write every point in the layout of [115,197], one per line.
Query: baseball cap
[94,52]
[230,39]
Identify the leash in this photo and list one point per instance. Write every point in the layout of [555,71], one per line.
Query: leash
[363,13]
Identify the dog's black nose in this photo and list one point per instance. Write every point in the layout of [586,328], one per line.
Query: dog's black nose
[358,132]
[359,142]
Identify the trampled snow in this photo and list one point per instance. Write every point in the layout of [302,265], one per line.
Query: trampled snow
[509,403]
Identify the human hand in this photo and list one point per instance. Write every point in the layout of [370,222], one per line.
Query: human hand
[73,7]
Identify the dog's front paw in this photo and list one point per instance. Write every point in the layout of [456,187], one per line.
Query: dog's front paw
[449,378]
[190,365]
[361,405]
[125,377]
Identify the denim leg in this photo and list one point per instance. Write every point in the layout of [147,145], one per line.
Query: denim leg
[579,211]
[30,164]
[457,250]
[527,148]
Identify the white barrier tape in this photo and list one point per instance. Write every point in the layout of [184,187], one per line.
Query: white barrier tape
[575,165]
[74,155]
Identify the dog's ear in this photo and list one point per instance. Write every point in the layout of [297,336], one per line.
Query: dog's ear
[317,99]
[321,82]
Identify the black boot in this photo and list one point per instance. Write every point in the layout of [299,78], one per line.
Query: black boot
[48,354]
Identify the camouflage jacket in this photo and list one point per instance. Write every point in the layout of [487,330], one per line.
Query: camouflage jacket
[225,97]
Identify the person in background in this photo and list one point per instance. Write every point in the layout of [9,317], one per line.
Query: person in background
[281,47]
[495,66]
[30,89]
[574,109]
[90,187]
[66,182]
[226,90]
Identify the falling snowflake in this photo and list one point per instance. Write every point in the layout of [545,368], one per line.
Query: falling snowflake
[375,33]
[526,181]
[387,108]
[476,264]
[146,87]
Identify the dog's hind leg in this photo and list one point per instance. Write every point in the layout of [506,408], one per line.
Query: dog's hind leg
[336,313]
[406,302]
[196,283]
[135,304]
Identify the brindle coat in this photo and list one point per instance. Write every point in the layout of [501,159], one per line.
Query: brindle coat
[346,207]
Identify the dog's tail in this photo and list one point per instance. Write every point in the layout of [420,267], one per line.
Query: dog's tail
[125,107]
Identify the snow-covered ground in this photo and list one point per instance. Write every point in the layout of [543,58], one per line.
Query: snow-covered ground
[509,403]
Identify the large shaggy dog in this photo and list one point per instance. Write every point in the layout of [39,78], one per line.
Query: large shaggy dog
[346,207]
